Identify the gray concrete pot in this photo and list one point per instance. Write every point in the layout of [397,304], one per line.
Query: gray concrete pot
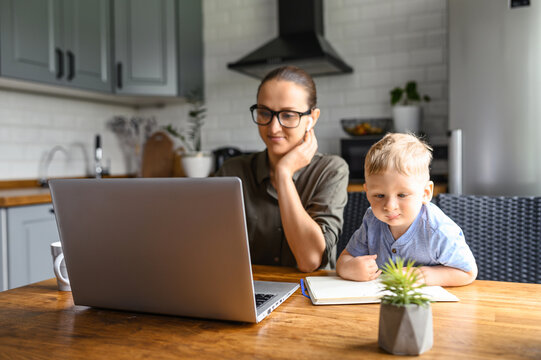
[405,330]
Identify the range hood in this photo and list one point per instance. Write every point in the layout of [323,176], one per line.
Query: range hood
[300,43]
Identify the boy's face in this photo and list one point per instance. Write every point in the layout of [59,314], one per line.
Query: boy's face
[396,199]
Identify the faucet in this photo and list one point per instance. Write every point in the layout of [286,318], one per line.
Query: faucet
[44,168]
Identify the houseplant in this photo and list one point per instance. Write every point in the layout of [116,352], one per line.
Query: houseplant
[195,162]
[405,317]
[406,107]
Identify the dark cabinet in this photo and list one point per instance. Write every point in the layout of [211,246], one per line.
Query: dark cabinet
[57,42]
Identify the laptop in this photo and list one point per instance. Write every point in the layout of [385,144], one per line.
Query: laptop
[174,246]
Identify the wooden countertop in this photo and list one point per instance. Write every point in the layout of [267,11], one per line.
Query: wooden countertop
[27,192]
[24,196]
[492,320]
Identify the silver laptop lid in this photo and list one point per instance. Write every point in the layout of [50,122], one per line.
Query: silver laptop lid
[173,246]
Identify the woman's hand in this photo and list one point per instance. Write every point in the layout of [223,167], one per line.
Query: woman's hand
[299,156]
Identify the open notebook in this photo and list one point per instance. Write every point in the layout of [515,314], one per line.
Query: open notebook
[332,290]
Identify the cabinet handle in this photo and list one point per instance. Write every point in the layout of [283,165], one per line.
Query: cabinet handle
[71,65]
[59,63]
[119,75]
[51,210]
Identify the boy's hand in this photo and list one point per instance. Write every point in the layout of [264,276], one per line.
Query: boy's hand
[366,267]
[419,272]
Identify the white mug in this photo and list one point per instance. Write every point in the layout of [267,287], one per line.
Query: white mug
[59,267]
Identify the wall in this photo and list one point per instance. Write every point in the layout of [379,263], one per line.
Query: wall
[387,42]
[31,125]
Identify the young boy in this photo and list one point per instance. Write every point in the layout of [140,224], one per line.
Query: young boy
[402,222]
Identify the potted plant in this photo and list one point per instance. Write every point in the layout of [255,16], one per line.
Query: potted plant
[405,317]
[195,162]
[406,107]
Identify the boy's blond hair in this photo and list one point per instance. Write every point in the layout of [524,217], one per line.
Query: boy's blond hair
[404,153]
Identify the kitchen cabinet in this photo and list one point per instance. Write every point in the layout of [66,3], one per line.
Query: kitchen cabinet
[158,47]
[155,54]
[145,47]
[57,42]
[27,232]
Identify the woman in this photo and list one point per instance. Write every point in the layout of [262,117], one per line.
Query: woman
[294,196]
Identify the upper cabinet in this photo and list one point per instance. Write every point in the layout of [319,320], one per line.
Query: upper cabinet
[190,45]
[158,47]
[57,42]
[128,47]
[145,47]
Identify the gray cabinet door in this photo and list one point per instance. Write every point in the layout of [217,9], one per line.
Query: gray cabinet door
[87,44]
[57,42]
[30,40]
[31,230]
[190,45]
[145,47]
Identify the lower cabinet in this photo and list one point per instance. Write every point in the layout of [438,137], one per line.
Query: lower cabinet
[28,234]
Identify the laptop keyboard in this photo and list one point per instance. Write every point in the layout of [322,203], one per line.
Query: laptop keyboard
[260,299]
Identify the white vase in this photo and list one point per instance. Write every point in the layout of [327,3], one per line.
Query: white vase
[407,118]
[197,164]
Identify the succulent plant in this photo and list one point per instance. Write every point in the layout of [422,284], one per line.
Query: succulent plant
[401,284]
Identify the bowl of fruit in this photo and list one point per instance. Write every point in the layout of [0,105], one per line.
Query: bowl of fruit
[362,127]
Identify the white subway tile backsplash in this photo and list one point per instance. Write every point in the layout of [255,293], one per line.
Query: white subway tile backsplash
[436,38]
[364,96]
[343,15]
[354,31]
[390,26]
[406,8]
[426,21]
[437,73]
[392,60]
[437,5]
[426,56]
[399,77]
[31,125]
[409,41]
[375,45]
[375,10]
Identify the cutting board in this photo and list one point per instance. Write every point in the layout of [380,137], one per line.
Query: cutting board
[158,156]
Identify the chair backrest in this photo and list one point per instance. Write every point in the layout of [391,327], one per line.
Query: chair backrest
[504,234]
[353,218]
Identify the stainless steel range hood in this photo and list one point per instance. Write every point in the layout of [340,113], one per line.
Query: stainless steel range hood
[300,43]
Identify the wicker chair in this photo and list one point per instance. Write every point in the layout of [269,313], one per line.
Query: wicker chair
[504,234]
[353,218]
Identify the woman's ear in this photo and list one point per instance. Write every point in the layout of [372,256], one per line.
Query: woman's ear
[315,116]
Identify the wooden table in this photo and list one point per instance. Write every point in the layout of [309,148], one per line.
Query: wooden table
[493,320]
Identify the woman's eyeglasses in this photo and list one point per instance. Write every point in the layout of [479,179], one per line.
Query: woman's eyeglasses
[286,118]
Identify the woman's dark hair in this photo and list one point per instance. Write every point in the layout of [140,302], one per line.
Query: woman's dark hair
[296,75]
